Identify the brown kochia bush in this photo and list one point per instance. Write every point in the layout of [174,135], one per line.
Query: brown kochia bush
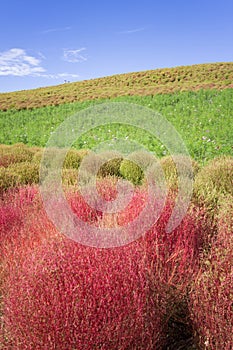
[7,179]
[15,154]
[213,180]
[170,169]
[211,297]
[69,177]
[19,174]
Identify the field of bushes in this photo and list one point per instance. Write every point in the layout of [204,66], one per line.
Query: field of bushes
[165,291]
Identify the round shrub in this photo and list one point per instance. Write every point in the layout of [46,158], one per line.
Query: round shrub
[73,158]
[170,169]
[15,154]
[110,168]
[16,205]
[225,217]
[37,156]
[213,180]
[91,163]
[107,187]
[27,173]
[19,174]
[131,171]
[60,294]
[81,208]
[7,179]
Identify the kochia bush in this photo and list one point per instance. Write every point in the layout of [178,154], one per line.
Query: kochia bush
[131,171]
[60,294]
[213,180]
[68,296]
[211,297]
[15,154]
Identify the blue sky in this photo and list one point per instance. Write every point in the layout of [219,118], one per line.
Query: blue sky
[47,42]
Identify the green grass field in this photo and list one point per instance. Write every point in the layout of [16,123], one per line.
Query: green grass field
[202,118]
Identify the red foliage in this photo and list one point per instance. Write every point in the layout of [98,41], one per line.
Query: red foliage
[60,294]
[81,208]
[211,297]
[134,208]
[68,296]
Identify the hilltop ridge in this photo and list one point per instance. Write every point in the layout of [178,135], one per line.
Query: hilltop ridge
[150,82]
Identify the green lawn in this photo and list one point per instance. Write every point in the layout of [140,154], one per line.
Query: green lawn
[202,118]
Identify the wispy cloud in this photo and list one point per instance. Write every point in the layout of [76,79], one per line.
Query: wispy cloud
[52,30]
[58,76]
[132,31]
[16,62]
[74,56]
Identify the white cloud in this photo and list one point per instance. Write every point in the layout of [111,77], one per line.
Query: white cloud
[17,62]
[74,56]
[52,30]
[67,75]
[58,76]
[132,31]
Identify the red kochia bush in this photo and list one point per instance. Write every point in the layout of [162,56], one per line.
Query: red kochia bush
[81,208]
[173,255]
[63,295]
[14,208]
[211,297]
[68,296]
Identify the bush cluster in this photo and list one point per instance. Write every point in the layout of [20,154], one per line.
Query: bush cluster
[58,293]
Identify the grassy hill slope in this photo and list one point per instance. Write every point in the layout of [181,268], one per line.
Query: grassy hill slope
[167,80]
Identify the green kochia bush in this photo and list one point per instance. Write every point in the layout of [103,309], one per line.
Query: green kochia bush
[134,167]
[111,168]
[131,171]
[73,158]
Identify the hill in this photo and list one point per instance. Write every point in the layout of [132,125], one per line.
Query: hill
[167,80]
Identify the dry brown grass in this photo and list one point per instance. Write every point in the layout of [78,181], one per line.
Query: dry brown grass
[167,80]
